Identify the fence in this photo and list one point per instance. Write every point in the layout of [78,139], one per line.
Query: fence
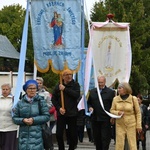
[11,78]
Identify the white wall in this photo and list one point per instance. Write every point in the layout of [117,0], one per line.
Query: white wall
[11,78]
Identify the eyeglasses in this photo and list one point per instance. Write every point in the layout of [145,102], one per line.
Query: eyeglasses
[32,89]
[67,74]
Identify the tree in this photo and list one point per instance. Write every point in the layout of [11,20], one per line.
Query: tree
[11,25]
[137,14]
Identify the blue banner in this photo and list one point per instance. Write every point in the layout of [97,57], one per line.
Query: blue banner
[23,49]
[81,74]
[56,29]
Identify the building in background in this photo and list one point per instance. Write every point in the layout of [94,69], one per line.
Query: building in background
[9,61]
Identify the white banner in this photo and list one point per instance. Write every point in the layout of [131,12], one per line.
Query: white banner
[111,50]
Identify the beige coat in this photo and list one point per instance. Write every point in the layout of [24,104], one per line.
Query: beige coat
[127,124]
[6,122]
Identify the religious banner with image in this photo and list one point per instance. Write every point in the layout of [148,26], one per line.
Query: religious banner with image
[56,30]
[81,73]
[111,51]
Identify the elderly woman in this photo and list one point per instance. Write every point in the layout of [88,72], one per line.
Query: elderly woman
[43,91]
[130,122]
[30,113]
[8,130]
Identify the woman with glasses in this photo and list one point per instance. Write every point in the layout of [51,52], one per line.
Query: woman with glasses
[30,113]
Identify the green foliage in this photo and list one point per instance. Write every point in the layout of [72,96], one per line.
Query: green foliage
[98,13]
[11,25]
[137,13]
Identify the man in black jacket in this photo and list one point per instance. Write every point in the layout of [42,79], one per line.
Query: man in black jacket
[100,120]
[68,114]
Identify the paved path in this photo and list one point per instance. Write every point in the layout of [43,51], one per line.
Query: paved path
[86,145]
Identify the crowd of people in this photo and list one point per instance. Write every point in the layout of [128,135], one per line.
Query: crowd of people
[37,106]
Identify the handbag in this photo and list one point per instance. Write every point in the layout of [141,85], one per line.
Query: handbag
[52,110]
[46,134]
[53,113]
[140,136]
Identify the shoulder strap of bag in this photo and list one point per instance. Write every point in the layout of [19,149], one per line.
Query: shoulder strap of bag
[133,104]
[39,105]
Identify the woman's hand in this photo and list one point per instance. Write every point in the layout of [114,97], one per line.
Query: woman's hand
[25,120]
[28,121]
[120,113]
[139,130]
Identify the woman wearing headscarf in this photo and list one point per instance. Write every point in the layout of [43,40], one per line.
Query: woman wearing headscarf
[130,122]
[30,113]
[8,130]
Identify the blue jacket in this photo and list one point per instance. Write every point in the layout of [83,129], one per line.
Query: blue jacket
[30,137]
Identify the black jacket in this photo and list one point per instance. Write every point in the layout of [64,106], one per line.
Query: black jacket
[107,95]
[145,120]
[71,94]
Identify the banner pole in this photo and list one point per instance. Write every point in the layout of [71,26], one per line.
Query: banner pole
[61,92]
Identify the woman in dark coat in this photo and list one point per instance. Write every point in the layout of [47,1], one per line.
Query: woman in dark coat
[30,113]
[145,123]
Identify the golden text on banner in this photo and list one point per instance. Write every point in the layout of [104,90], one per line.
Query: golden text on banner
[56,30]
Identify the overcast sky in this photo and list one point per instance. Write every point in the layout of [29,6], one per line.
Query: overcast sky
[11,2]
[23,3]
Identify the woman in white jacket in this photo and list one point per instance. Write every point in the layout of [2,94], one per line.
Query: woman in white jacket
[8,130]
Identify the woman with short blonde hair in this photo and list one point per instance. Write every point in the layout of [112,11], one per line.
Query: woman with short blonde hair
[126,106]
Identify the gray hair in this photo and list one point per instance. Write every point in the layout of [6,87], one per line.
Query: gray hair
[6,84]
[101,76]
[126,86]
[40,79]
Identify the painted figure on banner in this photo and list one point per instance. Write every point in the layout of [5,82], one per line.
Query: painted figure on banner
[52,24]
[109,58]
[57,25]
